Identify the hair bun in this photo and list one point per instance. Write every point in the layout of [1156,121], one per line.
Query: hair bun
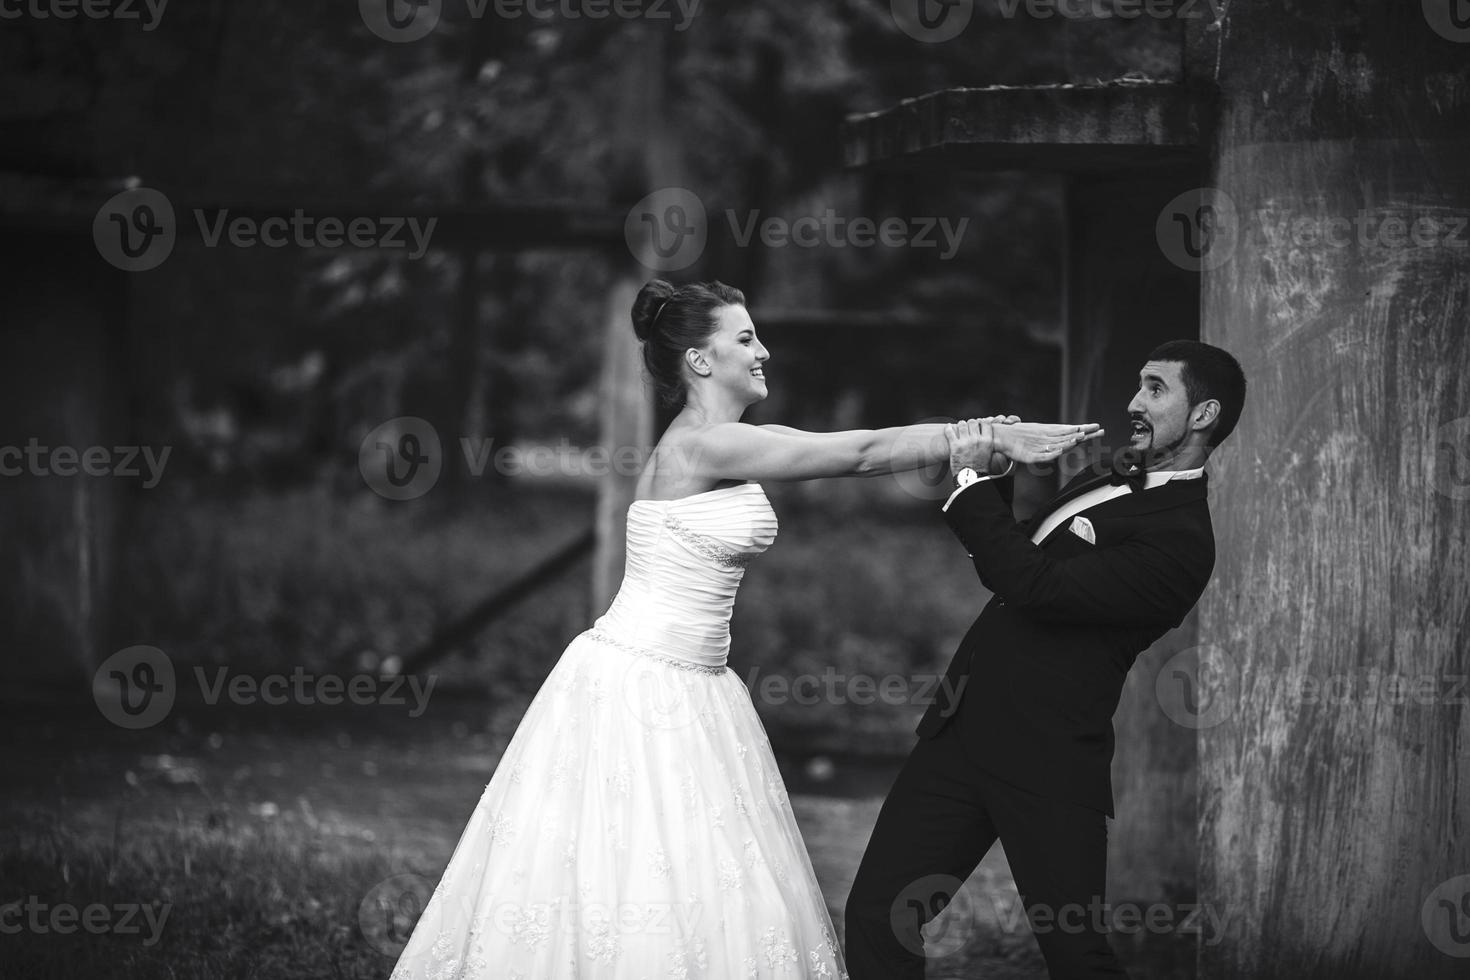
[649,304]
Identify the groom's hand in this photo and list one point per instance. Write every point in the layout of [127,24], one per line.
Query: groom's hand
[999,461]
[971,444]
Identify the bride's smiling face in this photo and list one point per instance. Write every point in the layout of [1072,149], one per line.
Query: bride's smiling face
[735,357]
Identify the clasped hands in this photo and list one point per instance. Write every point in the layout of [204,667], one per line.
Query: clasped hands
[989,445]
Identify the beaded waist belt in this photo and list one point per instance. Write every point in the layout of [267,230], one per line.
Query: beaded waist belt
[604,637]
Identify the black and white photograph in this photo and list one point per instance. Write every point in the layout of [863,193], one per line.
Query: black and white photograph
[735,489]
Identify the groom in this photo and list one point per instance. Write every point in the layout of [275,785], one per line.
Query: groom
[1021,752]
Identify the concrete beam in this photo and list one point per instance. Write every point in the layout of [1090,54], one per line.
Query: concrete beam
[1063,128]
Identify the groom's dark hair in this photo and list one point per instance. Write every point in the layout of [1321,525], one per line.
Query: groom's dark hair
[1208,372]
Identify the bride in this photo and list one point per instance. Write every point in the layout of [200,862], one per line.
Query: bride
[637,826]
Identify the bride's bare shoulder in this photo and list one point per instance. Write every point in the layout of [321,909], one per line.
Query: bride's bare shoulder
[673,468]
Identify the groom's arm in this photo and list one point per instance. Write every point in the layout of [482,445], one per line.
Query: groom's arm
[1004,482]
[1152,579]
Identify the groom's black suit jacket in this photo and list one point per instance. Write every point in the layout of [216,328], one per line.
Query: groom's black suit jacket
[1043,667]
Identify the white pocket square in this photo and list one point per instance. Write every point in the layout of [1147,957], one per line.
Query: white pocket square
[1082,527]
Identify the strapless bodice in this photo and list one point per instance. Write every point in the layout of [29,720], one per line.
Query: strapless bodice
[685,560]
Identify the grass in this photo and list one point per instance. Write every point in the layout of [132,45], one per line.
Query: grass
[229,899]
[257,838]
[263,830]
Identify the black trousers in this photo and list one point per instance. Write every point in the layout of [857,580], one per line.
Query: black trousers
[939,820]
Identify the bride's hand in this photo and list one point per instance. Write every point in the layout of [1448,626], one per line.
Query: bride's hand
[1039,442]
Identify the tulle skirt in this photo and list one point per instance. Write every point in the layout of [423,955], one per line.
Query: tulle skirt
[636,828]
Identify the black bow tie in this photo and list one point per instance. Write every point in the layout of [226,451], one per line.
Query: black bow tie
[1128,467]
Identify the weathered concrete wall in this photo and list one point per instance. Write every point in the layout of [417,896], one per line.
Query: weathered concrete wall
[1333,801]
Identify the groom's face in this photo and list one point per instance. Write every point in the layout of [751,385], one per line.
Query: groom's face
[1159,413]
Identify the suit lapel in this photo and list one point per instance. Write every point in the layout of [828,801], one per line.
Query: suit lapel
[1078,485]
[1175,493]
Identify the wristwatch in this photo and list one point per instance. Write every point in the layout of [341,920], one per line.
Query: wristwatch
[966,476]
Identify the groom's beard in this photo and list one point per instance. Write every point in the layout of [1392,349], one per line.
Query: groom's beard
[1155,455]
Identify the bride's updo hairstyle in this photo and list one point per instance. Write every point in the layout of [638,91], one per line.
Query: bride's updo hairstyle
[671,320]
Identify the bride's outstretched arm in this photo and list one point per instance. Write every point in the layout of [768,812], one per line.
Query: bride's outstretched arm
[739,451]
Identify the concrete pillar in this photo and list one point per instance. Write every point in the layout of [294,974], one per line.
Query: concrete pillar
[1334,789]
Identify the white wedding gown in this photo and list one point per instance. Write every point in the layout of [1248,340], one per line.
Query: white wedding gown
[637,826]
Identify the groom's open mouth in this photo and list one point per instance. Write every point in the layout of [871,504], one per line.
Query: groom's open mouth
[1139,429]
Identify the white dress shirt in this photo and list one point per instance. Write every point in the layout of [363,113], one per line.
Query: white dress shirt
[1097,495]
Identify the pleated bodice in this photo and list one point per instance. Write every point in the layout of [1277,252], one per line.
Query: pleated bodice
[685,560]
